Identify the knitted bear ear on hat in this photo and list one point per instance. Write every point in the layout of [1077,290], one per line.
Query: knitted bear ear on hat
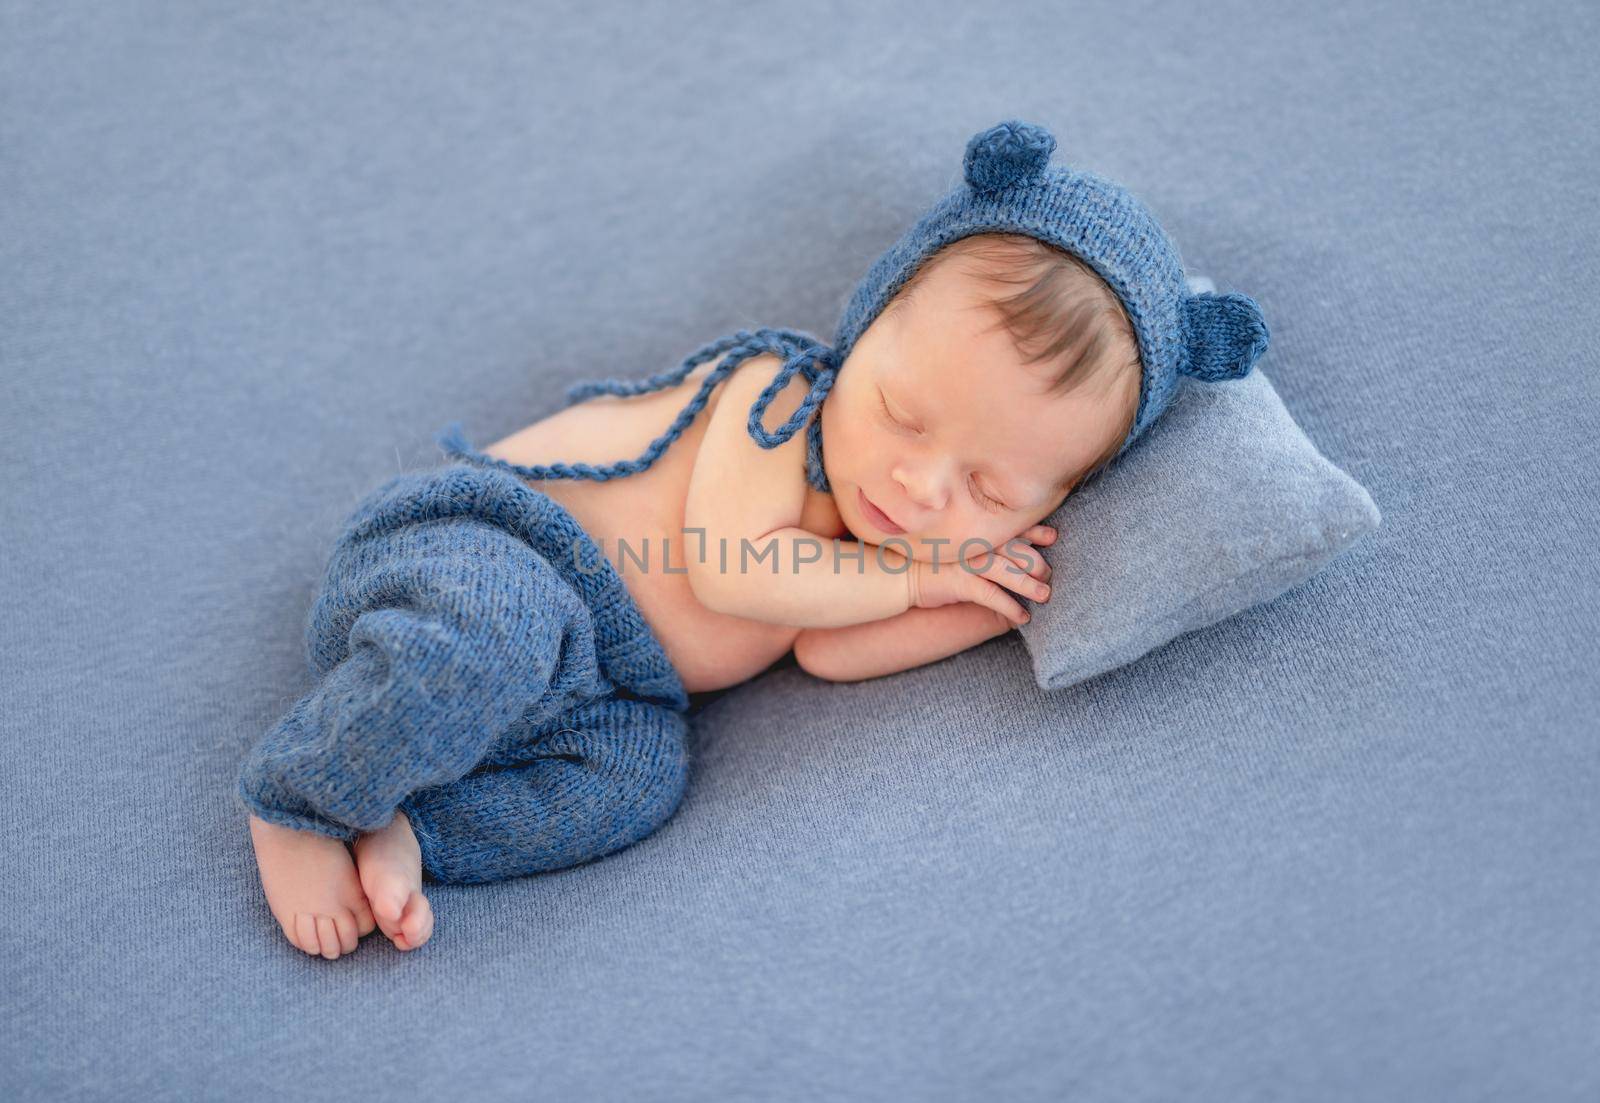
[1012,152]
[1226,335]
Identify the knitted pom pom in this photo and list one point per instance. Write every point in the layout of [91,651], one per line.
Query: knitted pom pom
[1226,335]
[1012,152]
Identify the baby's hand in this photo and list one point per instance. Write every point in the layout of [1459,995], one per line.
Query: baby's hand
[980,577]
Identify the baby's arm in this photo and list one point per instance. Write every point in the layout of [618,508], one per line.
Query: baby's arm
[913,638]
[739,491]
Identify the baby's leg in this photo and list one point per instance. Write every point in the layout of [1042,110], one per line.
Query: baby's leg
[603,776]
[437,631]
[427,683]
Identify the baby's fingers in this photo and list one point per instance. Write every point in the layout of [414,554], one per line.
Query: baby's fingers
[1010,574]
[1001,602]
[980,590]
[1039,570]
[1017,557]
[1040,534]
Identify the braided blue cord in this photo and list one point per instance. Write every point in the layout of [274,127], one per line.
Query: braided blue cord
[801,352]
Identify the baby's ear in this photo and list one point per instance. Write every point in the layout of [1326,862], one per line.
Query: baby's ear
[1226,335]
[1012,152]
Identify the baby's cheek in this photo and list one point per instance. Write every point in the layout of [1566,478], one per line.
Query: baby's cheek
[999,538]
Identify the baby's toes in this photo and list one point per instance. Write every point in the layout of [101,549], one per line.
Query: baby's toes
[305,933]
[365,922]
[388,907]
[345,923]
[291,932]
[328,935]
[418,922]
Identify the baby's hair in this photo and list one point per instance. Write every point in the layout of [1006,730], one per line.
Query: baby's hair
[1066,314]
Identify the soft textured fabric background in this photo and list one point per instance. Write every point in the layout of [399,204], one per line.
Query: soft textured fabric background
[1343,845]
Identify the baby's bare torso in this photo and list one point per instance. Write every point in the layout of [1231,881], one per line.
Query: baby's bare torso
[710,650]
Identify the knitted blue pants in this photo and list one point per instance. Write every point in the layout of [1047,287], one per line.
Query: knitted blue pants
[482,667]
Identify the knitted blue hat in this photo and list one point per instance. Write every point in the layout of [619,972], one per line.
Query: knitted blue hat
[1010,187]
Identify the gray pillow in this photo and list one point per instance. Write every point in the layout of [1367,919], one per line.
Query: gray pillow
[1225,504]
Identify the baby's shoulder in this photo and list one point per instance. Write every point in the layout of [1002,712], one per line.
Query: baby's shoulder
[819,513]
[750,377]
[735,401]
[738,483]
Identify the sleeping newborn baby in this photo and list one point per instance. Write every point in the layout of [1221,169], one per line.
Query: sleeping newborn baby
[507,644]
[939,431]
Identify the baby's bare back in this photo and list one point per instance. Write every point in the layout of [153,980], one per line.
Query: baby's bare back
[710,650]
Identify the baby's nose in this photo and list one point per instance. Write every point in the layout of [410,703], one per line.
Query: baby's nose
[927,487]
[928,495]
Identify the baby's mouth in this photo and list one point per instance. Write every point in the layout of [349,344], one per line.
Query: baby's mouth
[876,516]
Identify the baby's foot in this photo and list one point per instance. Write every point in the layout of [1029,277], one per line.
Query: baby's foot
[312,888]
[389,862]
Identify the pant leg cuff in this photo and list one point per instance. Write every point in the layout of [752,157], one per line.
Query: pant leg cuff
[290,819]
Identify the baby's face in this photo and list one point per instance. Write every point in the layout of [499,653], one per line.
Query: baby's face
[941,425]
